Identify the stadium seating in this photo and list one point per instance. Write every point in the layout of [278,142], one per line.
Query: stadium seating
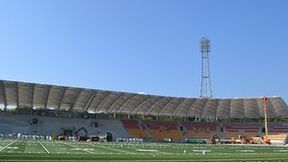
[10,123]
[148,130]
[133,129]
[243,129]
[200,130]
[162,130]
[280,138]
[277,128]
[277,132]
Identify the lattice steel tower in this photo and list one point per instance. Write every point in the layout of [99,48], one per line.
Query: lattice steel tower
[206,88]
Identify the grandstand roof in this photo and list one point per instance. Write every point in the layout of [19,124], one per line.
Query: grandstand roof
[23,95]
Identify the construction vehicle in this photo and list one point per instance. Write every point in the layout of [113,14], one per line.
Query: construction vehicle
[79,136]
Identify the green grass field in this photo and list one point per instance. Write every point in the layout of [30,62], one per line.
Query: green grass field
[24,150]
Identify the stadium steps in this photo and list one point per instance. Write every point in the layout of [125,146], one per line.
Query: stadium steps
[135,129]
[181,128]
[200,130]
[144,128]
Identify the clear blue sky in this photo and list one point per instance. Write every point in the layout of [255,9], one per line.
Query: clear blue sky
[147,46]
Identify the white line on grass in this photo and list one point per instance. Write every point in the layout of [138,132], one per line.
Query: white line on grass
[76,147]
[7,146]
[117,150]
[44,147]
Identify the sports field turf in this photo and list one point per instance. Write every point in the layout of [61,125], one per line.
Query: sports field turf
[29,150]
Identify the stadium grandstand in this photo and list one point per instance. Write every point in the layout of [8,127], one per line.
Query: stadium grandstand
[62,112]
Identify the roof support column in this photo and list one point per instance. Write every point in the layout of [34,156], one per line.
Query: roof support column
[32,96]
[4,96]
[47,97]
[17,95]
[88,104]
[61,98]
[76,100]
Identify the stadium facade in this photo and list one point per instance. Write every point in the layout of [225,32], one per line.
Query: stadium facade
[41,96]
[41,109]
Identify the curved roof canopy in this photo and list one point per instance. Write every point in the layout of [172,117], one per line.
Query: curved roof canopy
[37,96]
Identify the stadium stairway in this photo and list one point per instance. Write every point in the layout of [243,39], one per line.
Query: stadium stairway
[200,130]
[134,129]
[164,130]
[143,126]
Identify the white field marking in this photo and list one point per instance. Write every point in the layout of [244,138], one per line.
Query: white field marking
[146,150]
[280,150]
[44,147]
[83,149]
[245,151]
[114,149]
[7,146]
[201,150]
[76,148]
[15,148]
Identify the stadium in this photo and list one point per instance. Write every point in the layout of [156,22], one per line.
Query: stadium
[65,122]
[129,81]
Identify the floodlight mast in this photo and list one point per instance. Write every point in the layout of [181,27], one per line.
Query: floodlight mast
[206,88]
